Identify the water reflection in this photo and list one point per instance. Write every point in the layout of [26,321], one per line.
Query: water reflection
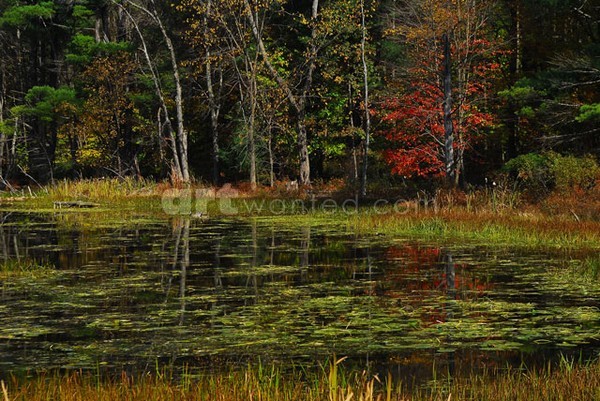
[187,290]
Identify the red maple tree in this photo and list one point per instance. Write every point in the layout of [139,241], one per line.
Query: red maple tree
[415,117]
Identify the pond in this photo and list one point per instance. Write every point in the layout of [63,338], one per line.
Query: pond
[205,293]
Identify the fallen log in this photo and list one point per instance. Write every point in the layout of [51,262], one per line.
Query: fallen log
[75,205]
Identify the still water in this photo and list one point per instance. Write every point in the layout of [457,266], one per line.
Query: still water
[209,292]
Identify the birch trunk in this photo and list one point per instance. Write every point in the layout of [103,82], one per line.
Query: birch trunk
[215,109]
[180,139]
[2,135]
[298,103]
[213,99]
[447,106]
[367,116]
[167,126]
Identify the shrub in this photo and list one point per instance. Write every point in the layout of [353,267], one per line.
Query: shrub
[539,173]
[532,171]
[570,172]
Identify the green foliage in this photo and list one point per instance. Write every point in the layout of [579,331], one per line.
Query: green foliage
[24,268]
[82,12]
[526,112]
[6,128]
[521,91]
[589,112]
[25,15]
[392,51]
[532,171]
[84,48]
[539,173]
[570,172]
[524,96]
[526,166]
[43,102]
[47,43]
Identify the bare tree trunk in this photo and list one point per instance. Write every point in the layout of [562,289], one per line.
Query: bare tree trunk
[13,148]
[303,149]
[448,124]
[298,103]
[167,125]
[248,98]
[271,159]
[302,134]
[123,28]
[159,136]
[2,100]
[354,152]
[182,139]
[512,146]
[215,108]
[98,29]
[251,128]
[247,74]
[101,26]
[213,98]
[519,40]
[367,116]
[178,140]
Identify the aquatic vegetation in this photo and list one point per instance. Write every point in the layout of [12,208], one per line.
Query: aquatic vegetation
[182,289]
[133,289]
[24,268]
[591,268]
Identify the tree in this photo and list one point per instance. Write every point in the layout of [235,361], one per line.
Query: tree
[214,87]
[549,102]
[440,110]
[110,130]
[297,101]
[246,63]
[179,140]
[367,114]
[49,109]
[207,32]
[33,39]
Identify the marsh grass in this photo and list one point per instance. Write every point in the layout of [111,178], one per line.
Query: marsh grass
[490,217]
[104,191]
[530,230]
[579,275]
[568,380]
[100,189]
[591,268]
[16,268]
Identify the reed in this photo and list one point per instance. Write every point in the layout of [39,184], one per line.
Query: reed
[17,268]
[479,217]
[99,190]
[534,230]
[568,380]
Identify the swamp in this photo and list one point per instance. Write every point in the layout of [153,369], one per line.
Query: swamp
[106,293]
[283,200]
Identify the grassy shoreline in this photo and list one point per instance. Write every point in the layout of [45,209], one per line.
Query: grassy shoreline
[505,227]
[566,381]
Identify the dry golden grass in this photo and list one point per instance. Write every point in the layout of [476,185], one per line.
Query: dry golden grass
[568,381]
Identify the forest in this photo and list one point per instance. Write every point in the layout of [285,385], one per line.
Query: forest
[302,200]
[369,92]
